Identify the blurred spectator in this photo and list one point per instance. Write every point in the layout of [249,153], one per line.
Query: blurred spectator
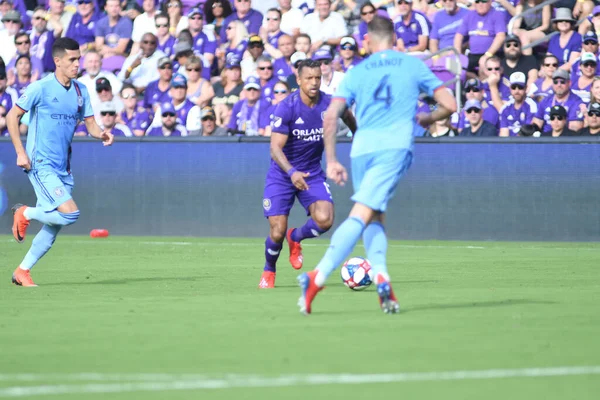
[92,63]
[348,55]
[59,19]
[592,22]
[367,12]
[199,90]
[543,86]
[271,32]
[283,66]
[496,86]
[589,45]
[291,18]
[583,85]
[168,125]
[3,127]
[568,53]
[108,115]
[486,31]
[520,110]
[264,71]
[166,41]
[83,25]
[531,27]
[563,97]
[593,119]
[208,125]
[23,44]
[136,118]
[105,93]
[306,6]
[236,41]
[303,44]
[12,25]
[158,91]
[412,28]
[515,61]
[42,39]
[558,123]
[280,92]
[183,51]
[255,49]
[203,42]
[143,23]
[441,128]
[177,20]
[113,34]
[478,127]
[474,91]
[292,80]
[181,104]
[581,8]
[445,25]
[227,91]
[8,96]
[595,91]
[215,12]
[22,8]
[251,18]
[263,6]
[140,68]
[324,26]
[244,116]
[506,8]
[23,74]
[330,79]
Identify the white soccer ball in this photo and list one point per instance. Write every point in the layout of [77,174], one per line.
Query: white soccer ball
[357,273]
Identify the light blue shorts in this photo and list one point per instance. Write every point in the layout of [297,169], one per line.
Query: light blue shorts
[51,189]
[376,175]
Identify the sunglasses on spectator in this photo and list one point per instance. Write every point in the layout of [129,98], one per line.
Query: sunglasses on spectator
[168,114]
[197,69]
[273,19]
[517,87]
[23,42]
[215,5]
[252,89]
[280,91]
[168,66]
[559,81]
[196,18]
[473,110]
[589,64]
[207,119]
[173,5]
[403,2]
[368,12]
[326,62]
[255,45]
[494,69]
[37,18]
[348,47]
[511,44]
[593,113]
[128,96]
[162,25]
[556,117]
[481,1]
[105,113]
[103,90]
[242,1]
[555,65]
[148,42]
[80,2]
[265,68]
[474,90]
[588,42]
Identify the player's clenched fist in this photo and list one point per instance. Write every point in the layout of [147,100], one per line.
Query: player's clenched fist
[337,173]
[107,138]
[298,180]
[23,161]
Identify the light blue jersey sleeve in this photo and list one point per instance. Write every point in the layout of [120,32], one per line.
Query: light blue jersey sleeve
[31,98]
[345,90]
[86,109]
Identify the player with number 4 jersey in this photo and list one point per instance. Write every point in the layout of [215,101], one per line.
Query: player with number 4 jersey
[295,171]
[385,88]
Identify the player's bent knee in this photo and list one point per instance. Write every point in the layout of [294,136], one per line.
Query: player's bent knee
[324,220]
[69,218]
[278,234]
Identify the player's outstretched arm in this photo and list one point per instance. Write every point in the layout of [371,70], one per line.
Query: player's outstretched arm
[12,123]
[95,131]
[278,141]
[335,170]
[446,107]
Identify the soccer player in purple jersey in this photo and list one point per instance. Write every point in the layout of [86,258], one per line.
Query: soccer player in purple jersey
[296,153]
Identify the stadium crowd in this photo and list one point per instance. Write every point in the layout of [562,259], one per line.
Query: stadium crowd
[220,67]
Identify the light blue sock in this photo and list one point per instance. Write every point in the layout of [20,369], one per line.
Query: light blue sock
[375,242]
[51,218]
[42,242]
[342,242]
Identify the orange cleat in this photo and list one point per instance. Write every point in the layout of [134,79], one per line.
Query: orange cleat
[21,277]
[309,291]
[20,223]
[267,280]
[296,258]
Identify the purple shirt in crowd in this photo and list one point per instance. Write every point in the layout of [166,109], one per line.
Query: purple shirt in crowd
[6,101]
[249,122]
[36,65]
[112,34]
[153,95]
[167,47]
[576,70]
[281,68]
[513,118]
[274,39]
[182,111]
[481,29]
[83,32]
[582,92]
[571,104]
[237,52]
[355,61]
[563,53]
[41,47]
[267,89]
[158,131]
[304,127]
[503,87]
[20,86]
[501,10]
[140,119]
[536,89]
[445,26]
[418,25]
[253,21]
[266,116]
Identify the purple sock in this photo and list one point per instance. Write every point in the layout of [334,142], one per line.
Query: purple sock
[272,251]
[309,230]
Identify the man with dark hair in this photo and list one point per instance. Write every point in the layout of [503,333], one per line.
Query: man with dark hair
[282,67]
[56,104]
[593,128]
[477,125]
[385,89]
[295,171]
[42,38]
[271,33]
[23,45]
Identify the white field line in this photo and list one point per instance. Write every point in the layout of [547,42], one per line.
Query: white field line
[240,381]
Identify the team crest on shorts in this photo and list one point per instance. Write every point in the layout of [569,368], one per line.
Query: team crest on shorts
[59,192]
[267,204]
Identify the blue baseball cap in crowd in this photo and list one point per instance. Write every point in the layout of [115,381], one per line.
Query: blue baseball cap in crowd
[473,83]
[252,83]
[590,35]
[194,11]
[178,81]
[322,54]
[167,108]
[473,103]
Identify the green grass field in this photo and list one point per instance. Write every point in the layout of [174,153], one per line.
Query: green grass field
[182,318]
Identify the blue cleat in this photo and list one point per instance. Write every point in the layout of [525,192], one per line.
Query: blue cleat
[387,300]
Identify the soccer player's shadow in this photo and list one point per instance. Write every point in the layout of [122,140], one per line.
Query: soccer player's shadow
[475,304]
[129,280]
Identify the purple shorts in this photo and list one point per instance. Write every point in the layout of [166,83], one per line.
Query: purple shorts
[280,193]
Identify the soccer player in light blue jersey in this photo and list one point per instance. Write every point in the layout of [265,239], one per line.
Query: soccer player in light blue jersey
[385,88]
[55,106]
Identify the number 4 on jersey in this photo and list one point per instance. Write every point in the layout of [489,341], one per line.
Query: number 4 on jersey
[384,91]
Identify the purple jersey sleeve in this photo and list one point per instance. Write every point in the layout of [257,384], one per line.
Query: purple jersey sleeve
[282,119]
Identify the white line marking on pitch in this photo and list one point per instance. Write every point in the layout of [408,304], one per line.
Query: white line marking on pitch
[240,381]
